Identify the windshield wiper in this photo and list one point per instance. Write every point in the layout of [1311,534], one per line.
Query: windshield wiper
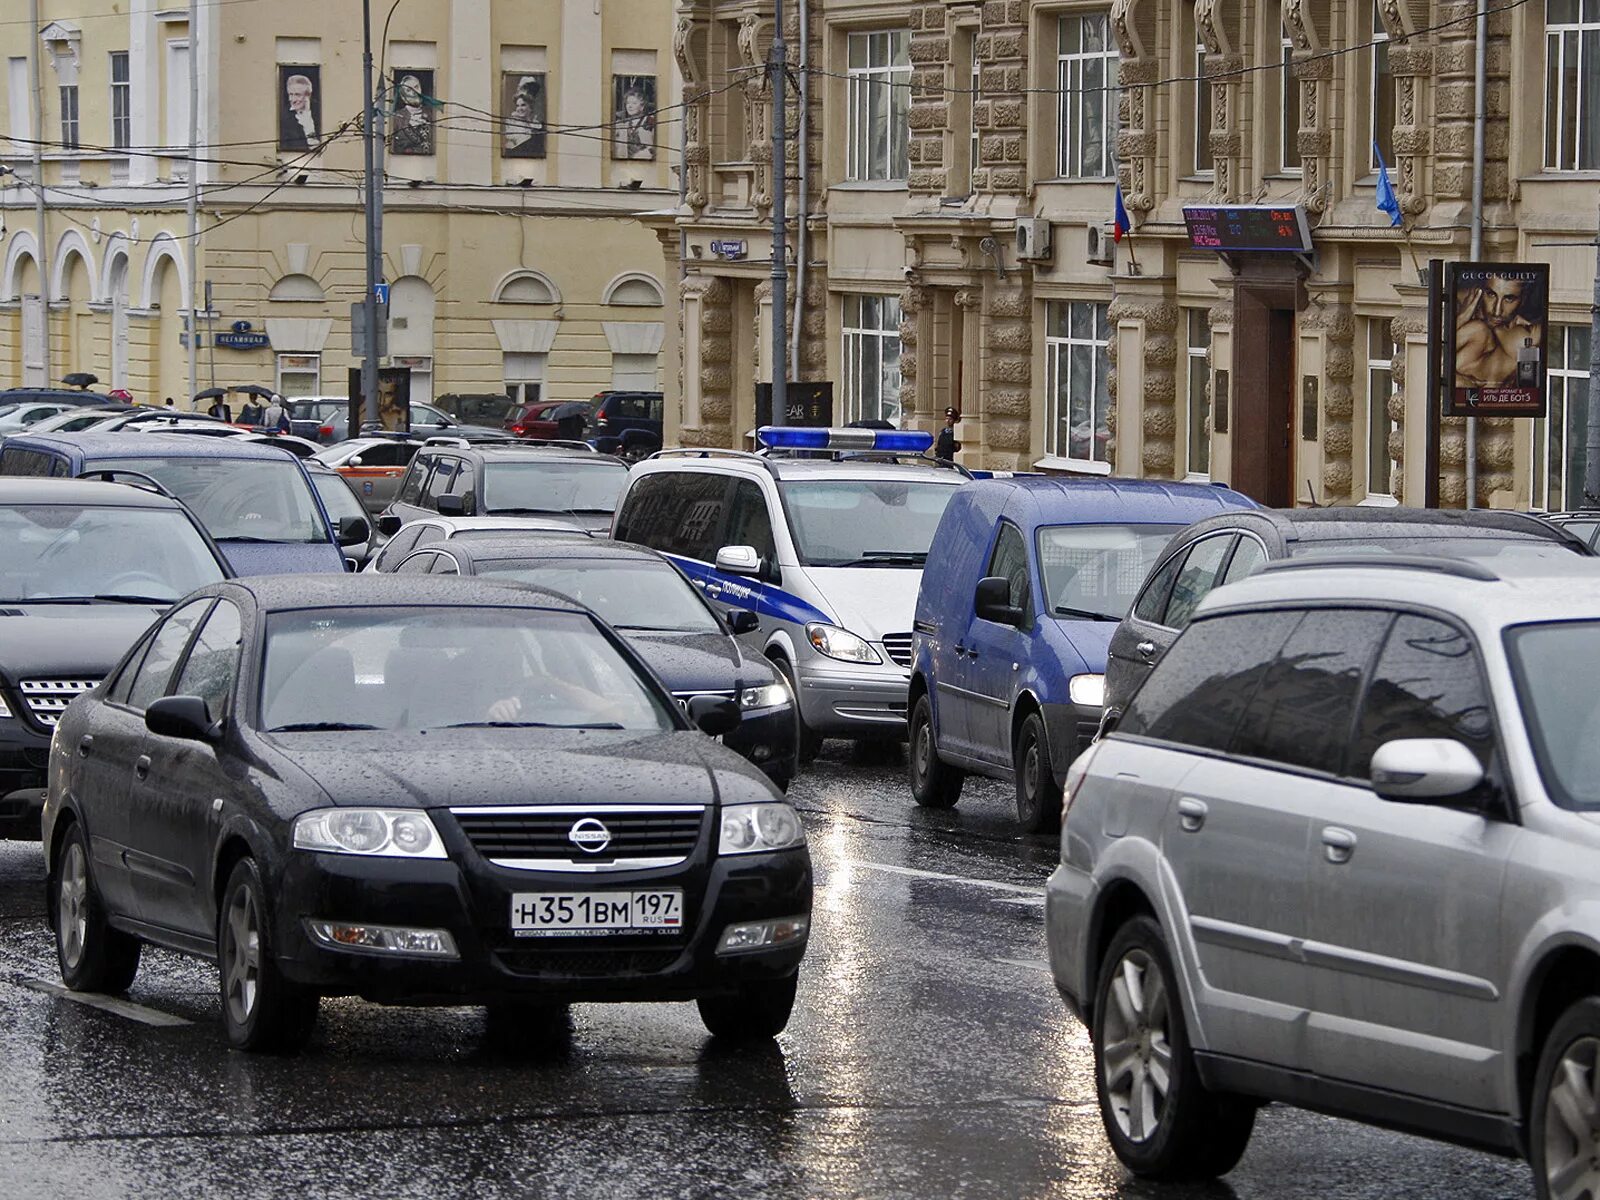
[245,537]
[880,558]
[108,597]
[531,512]
[319,727]
[529,725]
[660,629]
[1084,614]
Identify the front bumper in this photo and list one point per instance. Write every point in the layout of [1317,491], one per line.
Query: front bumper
[1067,900]
[850,700]
[766,736]
[24,763]
[1070,728]
[471,899]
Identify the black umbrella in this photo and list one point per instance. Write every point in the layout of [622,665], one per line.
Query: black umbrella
[574,408]
[80,379]
[211,394]
[254,389]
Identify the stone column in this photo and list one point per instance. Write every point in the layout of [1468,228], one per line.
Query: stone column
[1006,325]
[1308,24]
[712,300]
[689,48]
[1220,28]
[1331,326]
[1148,386]
[930,102]
[1133,24]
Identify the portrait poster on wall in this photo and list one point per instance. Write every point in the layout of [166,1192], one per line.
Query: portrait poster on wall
[299,107]
[411,125]
[633,108]
[522,114]
[1497,319]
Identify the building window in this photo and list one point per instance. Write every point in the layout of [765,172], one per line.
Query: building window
[633,372]
[177,107]
[1203,161]
[1558,442]
[1382,97]
[879,104]
[1086,78]
[299,375]
[524,375]
[1289,105]
[1076,371]
[1198,399]
[872,358]
[973,158]
[1381,351]
[1572,85]
[69,116]
[121,115]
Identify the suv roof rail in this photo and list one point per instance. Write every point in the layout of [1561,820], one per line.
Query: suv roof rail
[716,452]
[560,444]
[893,457]
[1461,568]
[136,479]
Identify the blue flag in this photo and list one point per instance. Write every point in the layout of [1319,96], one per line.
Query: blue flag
[1387,201]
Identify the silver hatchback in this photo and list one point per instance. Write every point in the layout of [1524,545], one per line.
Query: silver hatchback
[1342,851]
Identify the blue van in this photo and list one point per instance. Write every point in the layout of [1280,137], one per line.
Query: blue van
[255,500]
[1026,581]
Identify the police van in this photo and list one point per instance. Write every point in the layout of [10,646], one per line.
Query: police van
[815,549]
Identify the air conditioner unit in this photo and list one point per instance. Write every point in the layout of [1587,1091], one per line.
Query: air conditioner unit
[1033,239]
[1102,244]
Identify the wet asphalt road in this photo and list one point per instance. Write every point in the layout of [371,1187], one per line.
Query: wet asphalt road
[928,1056]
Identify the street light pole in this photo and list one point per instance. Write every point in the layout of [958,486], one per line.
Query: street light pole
[192,207]
[369,359]
[777,68]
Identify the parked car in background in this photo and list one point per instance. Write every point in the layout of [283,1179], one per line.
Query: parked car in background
[426,421]
[488,409]
[16,415]
[562,833]
[618,413]
[71,397]
[1227,548]
[344,509]
[76,420]
[1583,523]
[646,599]
[87,567]
[373,466]
[430,531]
[318,418]
[1024,584]
[255,501]
[544,420]
[511,480]
[1338,852]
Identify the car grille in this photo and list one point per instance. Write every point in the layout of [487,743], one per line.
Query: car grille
[898,647]
[539,838]
[47,699]
[589,963]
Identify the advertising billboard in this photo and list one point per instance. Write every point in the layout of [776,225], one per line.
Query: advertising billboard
[1497,320]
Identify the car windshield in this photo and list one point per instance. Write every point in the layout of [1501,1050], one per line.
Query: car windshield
[555,486]
[441,668]
[1449,545]
[627,594]
[251,500]
[865,522]
[58,551]
[1560,706]
[1094,571]
[337,497]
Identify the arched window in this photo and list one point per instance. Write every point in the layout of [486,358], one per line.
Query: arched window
[297,287]
[527,287]
[634,289]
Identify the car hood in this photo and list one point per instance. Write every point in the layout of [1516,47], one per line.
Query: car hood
[1091,639]
[478,767]
[281,558]
[698,662]
[870,601]
[69,639]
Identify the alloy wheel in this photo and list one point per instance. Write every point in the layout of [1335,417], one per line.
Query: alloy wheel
[1572,1124]
[1136,1060]
[241,952]
[72,905]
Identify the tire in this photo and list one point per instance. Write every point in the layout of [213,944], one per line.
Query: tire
[1182,1132]
[261,1010]
[934,783]
[757,1012]
[1564,1094]
[94,957]
[807,741]
[1038,797]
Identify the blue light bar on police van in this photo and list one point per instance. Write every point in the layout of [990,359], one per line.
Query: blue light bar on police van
[886,441]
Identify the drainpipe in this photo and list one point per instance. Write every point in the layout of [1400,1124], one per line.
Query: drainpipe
[1479,71]
[43,254]
[802,159]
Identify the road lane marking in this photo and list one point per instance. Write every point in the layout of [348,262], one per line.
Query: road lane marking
[110,1004]
[915,873]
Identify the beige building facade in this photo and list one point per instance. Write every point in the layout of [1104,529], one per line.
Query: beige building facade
[522,140]
[960,164]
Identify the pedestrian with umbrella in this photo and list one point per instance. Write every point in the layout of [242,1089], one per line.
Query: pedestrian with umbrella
[219,404]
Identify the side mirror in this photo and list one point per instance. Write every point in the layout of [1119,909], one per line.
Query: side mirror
[186,717]
[1424,769]
[353,531]
[351,565]
[992,601]
[739,560]
[742,620]
[452,506]
[714,715]
[388,524]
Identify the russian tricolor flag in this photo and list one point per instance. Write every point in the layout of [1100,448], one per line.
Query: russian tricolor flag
[1120,223]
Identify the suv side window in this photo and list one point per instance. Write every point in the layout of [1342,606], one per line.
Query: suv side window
[1010,561]
[1199,576]
[399,545]
[1152,601]
[439,483]
[676,512]
[416,478]
[418,564]
[1302,714]
[27,462]
[213,662]
[1427,684]
[1201,687]
[1248,558]
[150,681]
[465,485]
[750,521]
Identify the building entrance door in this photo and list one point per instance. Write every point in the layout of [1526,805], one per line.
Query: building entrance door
[1263,390]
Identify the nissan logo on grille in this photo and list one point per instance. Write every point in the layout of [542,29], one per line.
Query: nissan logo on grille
[590,835]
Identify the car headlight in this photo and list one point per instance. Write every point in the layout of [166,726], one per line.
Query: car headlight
[757,828]
[1087,690]
[833,642]
[774,695]
[389,833]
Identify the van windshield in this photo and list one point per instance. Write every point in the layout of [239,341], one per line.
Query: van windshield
[1094,571]
[865,522]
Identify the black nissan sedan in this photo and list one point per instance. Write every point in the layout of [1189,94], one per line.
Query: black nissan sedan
[646,599]
[416,791]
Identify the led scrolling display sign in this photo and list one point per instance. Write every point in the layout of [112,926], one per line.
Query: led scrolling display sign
[1239,227]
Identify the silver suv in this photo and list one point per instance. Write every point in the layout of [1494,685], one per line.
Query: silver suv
[1342,851]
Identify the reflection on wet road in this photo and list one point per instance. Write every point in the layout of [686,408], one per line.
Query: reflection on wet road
[928,1056]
